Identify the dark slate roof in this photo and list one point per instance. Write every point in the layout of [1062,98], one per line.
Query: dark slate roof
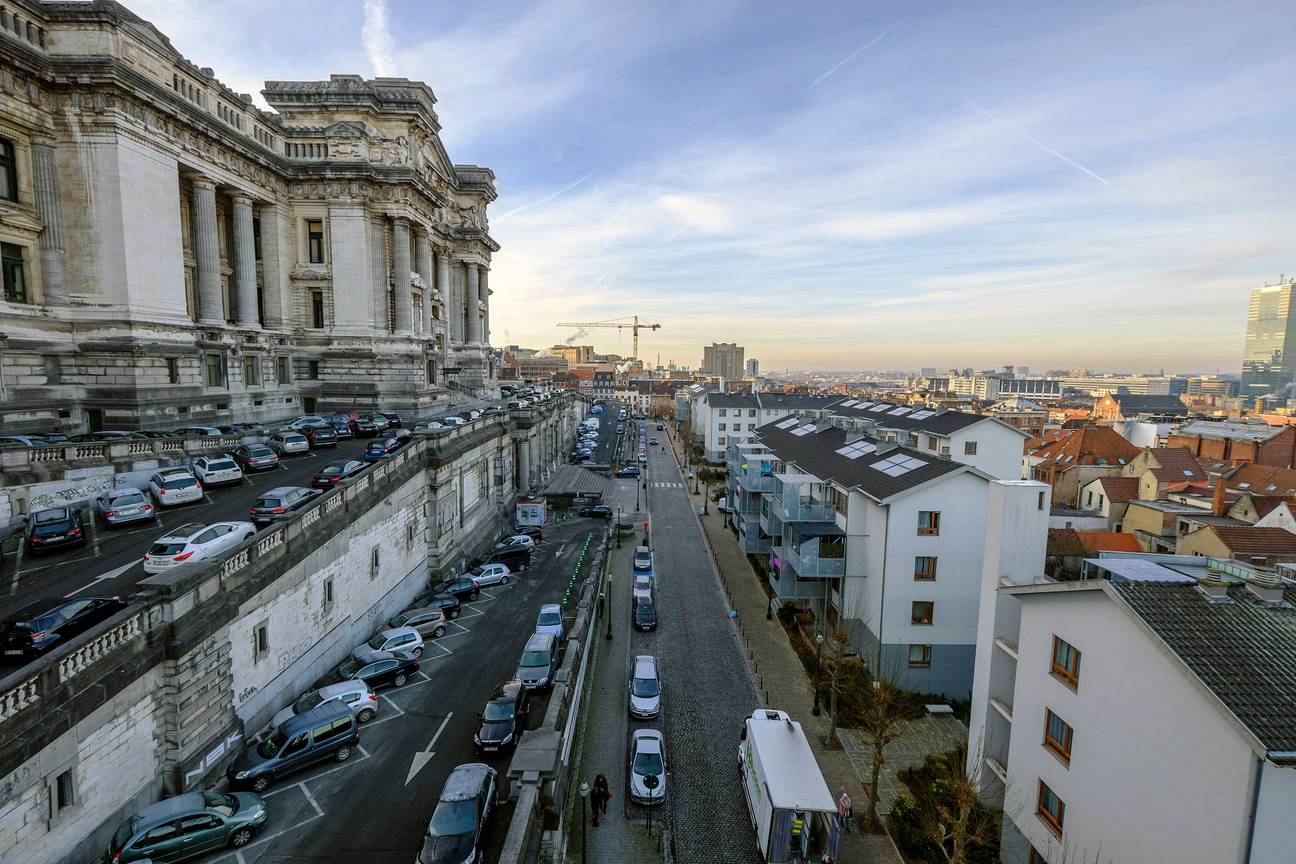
[815,453]
[795,401]
[1143,404]
[939,422]
[731,400]
[575,480]
[1244,651]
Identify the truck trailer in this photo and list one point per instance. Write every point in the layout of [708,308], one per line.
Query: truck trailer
[790,805]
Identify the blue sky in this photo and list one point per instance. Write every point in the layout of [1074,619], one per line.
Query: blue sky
[844,185]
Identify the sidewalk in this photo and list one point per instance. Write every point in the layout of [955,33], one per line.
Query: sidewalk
[783,683]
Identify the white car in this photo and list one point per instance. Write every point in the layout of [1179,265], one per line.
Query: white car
[550,620]
[392,639]
[648,760]
[453,421]
[517,541]
[428,426]
[306,422]
[217,470]
[643,558]
[195,542]
[288,442]
[645,688]
[490,574]
[174,486]
[643,581]
[643,458]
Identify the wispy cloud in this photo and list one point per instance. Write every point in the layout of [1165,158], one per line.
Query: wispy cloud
[377,37]
[545,200]
[851,56]
[1041,145]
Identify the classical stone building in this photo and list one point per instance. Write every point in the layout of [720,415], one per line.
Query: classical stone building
[174,255]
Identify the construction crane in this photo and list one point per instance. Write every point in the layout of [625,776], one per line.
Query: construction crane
[631,321]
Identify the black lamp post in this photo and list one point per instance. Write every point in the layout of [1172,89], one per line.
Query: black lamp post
[584,796]
[819,640]
[618,526]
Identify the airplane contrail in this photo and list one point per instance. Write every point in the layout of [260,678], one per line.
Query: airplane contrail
[547,198]
[860,50]
[1041,145]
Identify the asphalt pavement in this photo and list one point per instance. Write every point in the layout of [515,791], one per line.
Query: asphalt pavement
[375,807]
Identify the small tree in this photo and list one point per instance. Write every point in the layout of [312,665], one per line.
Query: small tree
[884,710]
[841,676]
[950,814]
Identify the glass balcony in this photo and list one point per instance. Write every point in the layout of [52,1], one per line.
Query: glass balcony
[770,522]
[801,498]
[815,553]
[751,466]
[788,586]
[751,539]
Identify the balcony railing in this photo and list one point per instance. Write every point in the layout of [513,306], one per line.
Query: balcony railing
[788,587]
[806,562]
[750,538]
[801,508]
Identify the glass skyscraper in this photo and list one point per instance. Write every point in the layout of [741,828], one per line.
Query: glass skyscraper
[1269,358]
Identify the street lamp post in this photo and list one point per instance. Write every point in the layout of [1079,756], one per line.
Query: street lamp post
[584,796]
[618,526]
[609,604]
[819,640]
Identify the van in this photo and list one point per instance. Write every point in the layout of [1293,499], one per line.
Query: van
[328,731]
[539,661]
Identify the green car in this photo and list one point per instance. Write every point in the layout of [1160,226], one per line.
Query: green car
[183,827]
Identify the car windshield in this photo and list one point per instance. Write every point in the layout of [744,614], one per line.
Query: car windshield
[272,744]
[549,619]
[645,688]
[307,702]
[267,503]
[377,642]
[126,500]
[500,709]
[645,610]
[122,836]
[51,528]
[349,668]
[166,548]
[331,470]
[221,465]
[226,805]
[260,452]
[452,818]
[534,658]
[648,763]
[180,483]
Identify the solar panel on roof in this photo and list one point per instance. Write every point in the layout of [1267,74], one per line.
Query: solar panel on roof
[881,406]
[849,403]
[862,405]
[786,424]
[897,465]
[856,450]
[922,415]
[901,410]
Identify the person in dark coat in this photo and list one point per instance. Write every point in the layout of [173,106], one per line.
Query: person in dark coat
[599,797]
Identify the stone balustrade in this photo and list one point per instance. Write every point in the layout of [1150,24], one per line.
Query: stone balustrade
[81,656]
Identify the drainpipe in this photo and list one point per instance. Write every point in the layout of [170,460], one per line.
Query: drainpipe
[1258,772]
[886,535]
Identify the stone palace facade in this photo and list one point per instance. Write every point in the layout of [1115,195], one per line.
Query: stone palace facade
[174,256]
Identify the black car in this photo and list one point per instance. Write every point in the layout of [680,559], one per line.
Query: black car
[503,718]
[628,471]
[598,511]
[645,615]
[50,529]
[661,428]
[321,436]
[279,501]
[393,419]
[461,588]
[378,669]
[457,829]
[365,428]
[447,603]
[342,428]
[515,558]
[531,531]
[256,457]
[46,624]
[335,472]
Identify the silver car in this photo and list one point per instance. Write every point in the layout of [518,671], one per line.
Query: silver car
[356,694]
[645,688]
[405,639]
[123,505]
[284,443]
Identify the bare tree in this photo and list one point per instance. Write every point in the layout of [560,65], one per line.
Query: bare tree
[881,718]
[951,815]
[840,675]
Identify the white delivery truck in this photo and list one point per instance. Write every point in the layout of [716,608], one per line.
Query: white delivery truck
[791,808]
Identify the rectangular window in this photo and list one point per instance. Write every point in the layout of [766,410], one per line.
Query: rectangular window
[1065,665]
[315,241]
[215,370]
[1041,500]
[931,442]
[65,791]
[14,273]
[722,427]
[1050,809]
[328,592]
[1089,498]
[925,567]
[722,412]
[1057,735]
[173,370]
[751,412]
[53,374]
[317,309]
[8,171]
[252,371]
[374,561]
[312,367]
[922,612]
[929,522]
[969,448]
[920,656]
[722,440]
[261,642]
[283,370]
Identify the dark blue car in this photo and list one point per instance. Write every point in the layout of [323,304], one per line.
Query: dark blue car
[380,448]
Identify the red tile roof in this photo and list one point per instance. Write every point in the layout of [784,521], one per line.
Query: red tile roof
[1107,541]
[1178,464]
[1092,445]
[1251,540]
[1120,489]
[1262,480]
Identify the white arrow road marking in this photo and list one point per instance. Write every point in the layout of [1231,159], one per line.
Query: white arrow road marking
[111,574]
[422,757]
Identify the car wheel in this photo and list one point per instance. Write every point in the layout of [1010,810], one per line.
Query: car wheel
[503,580]
[438,632]
[400,679]
[473,595]
[240,838]
[262,783]
[418,652]
[343,753]
[365,716]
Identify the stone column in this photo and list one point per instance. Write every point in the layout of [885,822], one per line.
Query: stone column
[54,284]
[423,266]
[484,288]
[378,272]
[245,261]
[524,465]
[207,251]
[472,332]
[271,267]
[403,298]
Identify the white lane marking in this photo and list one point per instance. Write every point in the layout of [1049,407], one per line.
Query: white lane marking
[439,647]
[111,574]
[422,757]
[311,798]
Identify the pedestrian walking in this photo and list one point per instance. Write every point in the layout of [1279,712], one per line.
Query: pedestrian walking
[599,797]
[844,811]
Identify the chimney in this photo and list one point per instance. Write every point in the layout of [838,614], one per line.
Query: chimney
[1217,498]
[1267,587]
[1214,588]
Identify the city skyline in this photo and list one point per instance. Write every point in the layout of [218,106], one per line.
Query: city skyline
[658,164]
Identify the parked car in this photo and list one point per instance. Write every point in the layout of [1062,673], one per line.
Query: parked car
[256,457]
[598,511]
[629,471]
[187,826]
[392,639]
[53,528]
[393,419]
[301,424]
[490,574]
[643,558]
[456,830]
[516,541]
[453,421]
[460,587]
[327,731]
[195,432]
[515,558]
[648,759]
[447,603]
[380,448]
[379,421]
[335,472]
[356,695]
[43,625]
[195,542]
[13,441]
[643,581]
[175,486]
[285,443]
[219,470]
[503,718]
[550,620]
[364,427]
[643,458]
[428,426]
[539,661]
[532,531]
[379,670]
[274,503]
[123,505]
[645,688]
[653,441]
[321,436]
[645,612]
[342,429]
[429,621]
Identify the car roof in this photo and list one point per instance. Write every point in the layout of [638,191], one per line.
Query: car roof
[306,719]
[389,632]
[122,490]
[280,491]
[540,642]
[465,781]
[508,690]
[423,610]
[642,662]
[551,607]
[330,691]
[642,550]
[169,808]
[645,736]
[37,608]
[184,532]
